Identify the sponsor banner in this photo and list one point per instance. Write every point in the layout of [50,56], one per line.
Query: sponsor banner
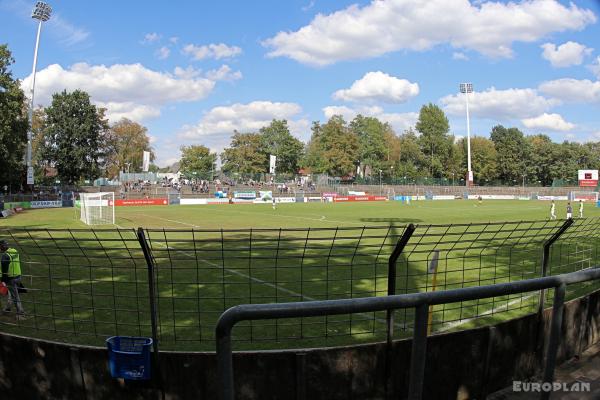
[248,201]
[244,195]
[556,198]
[192,201]
[265,195]
[330,195]
[285,199]
[313,199]
[353,193]
[46,204]
[443,197]
[146,161]
[142,202]
[523,197]
[272,161]
[359,198]
[492,197]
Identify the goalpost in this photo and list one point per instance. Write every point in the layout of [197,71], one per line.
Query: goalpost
[584,196]
[97,208]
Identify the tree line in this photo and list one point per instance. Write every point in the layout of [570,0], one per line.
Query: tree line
[73,141]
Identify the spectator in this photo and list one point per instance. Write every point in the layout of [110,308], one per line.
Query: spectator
[11,276]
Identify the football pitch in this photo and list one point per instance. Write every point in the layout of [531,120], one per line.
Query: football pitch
[315,215]
[87,283]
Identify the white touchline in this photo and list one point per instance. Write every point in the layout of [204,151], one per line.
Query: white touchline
[450,325]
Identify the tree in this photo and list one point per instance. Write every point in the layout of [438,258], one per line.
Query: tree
[411,160]
[197,161]
[513,152]
[372,149]
[435,142]
[129,141]
[13,124]
[277,140]
[76,137]
[245,154]
[333,148]
[483,159]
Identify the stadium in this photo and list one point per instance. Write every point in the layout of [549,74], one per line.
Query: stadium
[183,220]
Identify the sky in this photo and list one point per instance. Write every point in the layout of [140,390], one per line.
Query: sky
[192,72]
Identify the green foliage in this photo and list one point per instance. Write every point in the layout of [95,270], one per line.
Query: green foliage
[277,140]
[333,148]
[513,152]
[76,137]
[373,150]
[197,161]
[13,124]
[435,142]
[128,142]
[245,154]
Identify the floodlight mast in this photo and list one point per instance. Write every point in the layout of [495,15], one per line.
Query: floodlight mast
[467,88]
[41,12]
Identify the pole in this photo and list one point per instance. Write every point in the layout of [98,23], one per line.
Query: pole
[470,172]
[30,179]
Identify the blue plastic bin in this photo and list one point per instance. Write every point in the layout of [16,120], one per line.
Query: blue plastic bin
[129,357]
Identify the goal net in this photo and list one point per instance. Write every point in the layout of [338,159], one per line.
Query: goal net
[97,208]
[584,196]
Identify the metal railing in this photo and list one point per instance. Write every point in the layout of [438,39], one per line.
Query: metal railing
[418,301]
[87,284]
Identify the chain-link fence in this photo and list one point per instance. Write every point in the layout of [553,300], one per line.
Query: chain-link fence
[86,285]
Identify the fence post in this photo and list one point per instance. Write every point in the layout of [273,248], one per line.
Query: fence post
[545,260]
[152,299]
[554,340]
[418,353]
[408,232]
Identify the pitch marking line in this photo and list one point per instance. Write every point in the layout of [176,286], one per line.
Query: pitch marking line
[274,286]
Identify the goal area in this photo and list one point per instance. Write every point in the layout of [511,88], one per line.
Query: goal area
[584,196]
[97,208]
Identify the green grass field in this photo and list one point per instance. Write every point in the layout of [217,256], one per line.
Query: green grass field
[88,284]
[306,215]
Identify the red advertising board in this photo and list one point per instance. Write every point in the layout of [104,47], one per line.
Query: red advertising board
[142,202]
[359,198]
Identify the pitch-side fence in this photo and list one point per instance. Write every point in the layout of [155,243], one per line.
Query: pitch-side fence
[84,285]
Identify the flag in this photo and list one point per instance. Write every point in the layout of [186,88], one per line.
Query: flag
[146,162]
[272,160]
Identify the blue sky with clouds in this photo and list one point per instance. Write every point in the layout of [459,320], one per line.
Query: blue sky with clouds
[193,72]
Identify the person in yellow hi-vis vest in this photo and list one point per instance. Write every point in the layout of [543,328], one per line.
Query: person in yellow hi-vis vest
[11,275]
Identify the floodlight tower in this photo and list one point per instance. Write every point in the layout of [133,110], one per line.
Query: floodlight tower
[467,88]
[41,12]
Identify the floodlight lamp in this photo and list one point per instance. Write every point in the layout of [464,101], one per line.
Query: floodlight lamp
[466,88]
[41,11]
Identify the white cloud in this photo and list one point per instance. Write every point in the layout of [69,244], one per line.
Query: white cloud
[572,90]
[457,55]
[163,53]
[387,26]
[565,55]
[378,87]
[595,67]
[216,51]
[499,104]
[398,121]
[553,122]
[217,125]
[187,73]
[127,90]
[151,37]
[224,73]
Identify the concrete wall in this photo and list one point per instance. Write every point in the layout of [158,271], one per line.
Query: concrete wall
[476,361]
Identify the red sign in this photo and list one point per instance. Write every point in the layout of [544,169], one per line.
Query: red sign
[359,198]
[142,202]
[588,183]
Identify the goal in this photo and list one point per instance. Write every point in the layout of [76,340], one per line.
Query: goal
[97,208]
[584,196]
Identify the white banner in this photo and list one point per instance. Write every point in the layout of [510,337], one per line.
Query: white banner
[146,162]
[46,204]
[30,180]
[272,160]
